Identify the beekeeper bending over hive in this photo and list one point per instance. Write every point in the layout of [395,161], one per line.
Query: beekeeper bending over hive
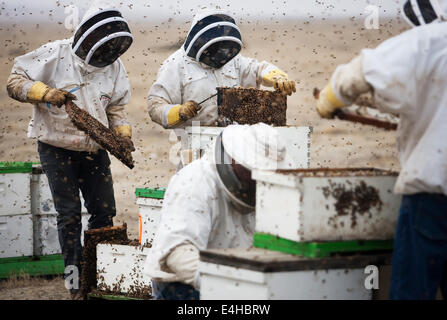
[407,75]
[210,204]
[208,59]
[85,68]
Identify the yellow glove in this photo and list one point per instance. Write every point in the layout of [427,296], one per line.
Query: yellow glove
[40,92]
[182,113]
[328,103]
[125,133]
[279,80]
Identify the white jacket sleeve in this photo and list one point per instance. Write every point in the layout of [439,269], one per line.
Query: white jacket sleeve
[121,96]
[36,65]
[252,71]
[394,70]
[186,218]
[166,92]
[348,81]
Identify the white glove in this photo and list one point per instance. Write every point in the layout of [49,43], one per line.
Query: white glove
[184,262]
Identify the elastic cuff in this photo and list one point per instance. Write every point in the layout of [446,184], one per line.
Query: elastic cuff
[332,97]
[124,130]
[38,91]
[171,116]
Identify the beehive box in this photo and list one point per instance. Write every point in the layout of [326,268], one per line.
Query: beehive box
[46,240]
[235,274]
[251,106]
[150,202]
[296,139]
[120,270]
[16,225]
[326,204]
[15,191]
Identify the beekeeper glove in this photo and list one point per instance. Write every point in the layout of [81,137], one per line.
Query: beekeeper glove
[347,83]
[184,262]
[125,133]
[182,113]
[280,81]
[40,92]
[328,102]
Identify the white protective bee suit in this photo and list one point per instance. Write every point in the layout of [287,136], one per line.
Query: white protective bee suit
[182,78]
[199,211]
[407,75]
[102,92]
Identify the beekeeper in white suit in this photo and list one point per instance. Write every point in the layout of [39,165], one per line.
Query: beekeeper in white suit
[407,75]
[85,68]
[208,59]
[210,204]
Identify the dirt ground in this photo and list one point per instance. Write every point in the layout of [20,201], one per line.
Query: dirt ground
[308,50]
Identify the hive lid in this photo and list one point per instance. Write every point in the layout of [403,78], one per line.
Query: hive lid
[293,178]
[153,193]
[262,260]
[16,167]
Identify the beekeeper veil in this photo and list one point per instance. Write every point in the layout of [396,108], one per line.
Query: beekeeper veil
[214,39]
[102,36]
[420,12]
[255,147]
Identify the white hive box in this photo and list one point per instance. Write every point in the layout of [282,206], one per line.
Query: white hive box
[297,140]
[150,202]
[16,235]
[327,204]
[120,268]
[46,240]
[198,137]
[257,274]
[16,225]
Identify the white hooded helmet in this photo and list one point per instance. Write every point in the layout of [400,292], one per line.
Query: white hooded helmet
[255,147]
[421,12]
[214,39]
[102,36]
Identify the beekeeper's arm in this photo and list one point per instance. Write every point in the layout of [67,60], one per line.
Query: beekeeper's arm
[25,81]
[254,73]
[389,72]
[115,110]
[346,84]
[186,224]
[164,102]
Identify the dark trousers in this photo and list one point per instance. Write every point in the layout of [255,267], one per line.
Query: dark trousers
[419,264]
[71,171]
[173,291]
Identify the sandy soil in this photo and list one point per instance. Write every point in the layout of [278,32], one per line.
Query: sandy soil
[309,51]
[27,288]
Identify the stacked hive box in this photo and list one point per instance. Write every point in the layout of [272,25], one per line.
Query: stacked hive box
[149,202]
[28,221]
[16,221]
[297,139]
[326,205]
[120,267]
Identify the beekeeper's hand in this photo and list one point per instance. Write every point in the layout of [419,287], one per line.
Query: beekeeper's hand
[124,132]
[184,262]
[40,92]
[182,112]
[328,103]
[280,81]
